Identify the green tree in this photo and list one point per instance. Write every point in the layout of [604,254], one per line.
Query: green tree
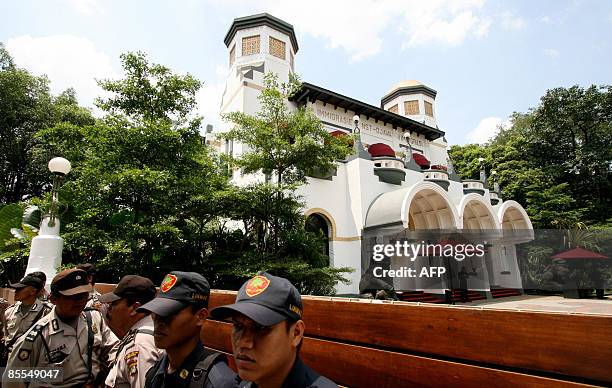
[26,107]
[150,92]
[555,159]
[140,177]
[287,145]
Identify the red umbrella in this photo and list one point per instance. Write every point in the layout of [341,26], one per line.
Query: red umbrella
[578,254]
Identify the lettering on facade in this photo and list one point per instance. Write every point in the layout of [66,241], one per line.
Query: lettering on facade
[345,120]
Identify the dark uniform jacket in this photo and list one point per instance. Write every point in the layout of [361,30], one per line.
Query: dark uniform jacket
[190,373]
[300,376]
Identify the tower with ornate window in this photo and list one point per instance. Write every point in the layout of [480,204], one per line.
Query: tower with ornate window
[256,44]
[413,100]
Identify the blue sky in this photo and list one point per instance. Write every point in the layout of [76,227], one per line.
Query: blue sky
[485,58]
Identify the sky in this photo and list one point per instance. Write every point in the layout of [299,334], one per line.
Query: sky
[486,59]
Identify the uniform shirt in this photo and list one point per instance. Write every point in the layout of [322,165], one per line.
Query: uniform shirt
[67,348]
[19,321]
[136,355]
[300,376]
[219,376]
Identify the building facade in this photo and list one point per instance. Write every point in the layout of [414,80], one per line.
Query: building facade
[399,179]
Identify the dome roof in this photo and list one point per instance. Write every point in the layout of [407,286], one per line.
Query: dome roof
[380,149]
[404,84]
[408,87]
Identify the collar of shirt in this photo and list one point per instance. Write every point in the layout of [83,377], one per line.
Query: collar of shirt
[19,307]
[66,328]
[300,375]
[182,375]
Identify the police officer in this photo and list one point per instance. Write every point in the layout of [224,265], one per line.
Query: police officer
[267,335]
[42,295]
[67,337]
[136,352]
[91,274]
[179,312]
[19,317]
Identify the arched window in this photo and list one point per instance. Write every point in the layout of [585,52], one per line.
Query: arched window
[317,223]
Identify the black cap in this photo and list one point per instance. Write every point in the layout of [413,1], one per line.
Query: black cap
[28,280]
[130,285]
[266,299]
[71,282]
[177,291]
[88,267]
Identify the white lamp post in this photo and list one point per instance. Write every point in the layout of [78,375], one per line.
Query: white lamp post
[46,248]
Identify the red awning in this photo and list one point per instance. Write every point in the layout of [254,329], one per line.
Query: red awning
[338,133]
[439,167]
[380,149]
[420,159]
[578,253]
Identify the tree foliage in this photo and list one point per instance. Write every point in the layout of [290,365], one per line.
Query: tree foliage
[288,143]
[26,107]
[555,159]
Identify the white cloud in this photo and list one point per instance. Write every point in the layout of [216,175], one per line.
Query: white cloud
[486,129]
[68,61]
[209,98]
[357,26]
[511,22]
[546,19]
[552,53]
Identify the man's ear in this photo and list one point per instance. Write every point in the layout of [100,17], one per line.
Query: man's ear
[201,316]
[133,308]
[53,299]
[298,333]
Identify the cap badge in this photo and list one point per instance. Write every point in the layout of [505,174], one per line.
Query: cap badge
[168,282]
[257,285]
[78,277]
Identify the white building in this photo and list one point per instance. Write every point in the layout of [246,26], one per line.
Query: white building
[382,187]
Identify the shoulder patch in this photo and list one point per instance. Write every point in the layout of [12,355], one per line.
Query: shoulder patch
[24,354]
[131,355]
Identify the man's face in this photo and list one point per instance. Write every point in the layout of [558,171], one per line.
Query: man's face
[25,293]
[178,329]
[120,316]
[261,351]
[70,307]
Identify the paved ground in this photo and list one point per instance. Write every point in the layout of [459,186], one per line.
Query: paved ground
[548,303]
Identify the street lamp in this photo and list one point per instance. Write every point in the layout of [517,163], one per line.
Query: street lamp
[408,156]
[60,167]
[483,175]
[46,248]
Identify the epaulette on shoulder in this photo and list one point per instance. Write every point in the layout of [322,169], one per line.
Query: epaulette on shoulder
[36,330]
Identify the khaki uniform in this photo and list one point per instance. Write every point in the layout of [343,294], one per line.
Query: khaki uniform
[66,348]
[19,321]
[136,355]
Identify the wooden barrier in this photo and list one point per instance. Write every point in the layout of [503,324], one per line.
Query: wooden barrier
[367,343]
[392,344]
